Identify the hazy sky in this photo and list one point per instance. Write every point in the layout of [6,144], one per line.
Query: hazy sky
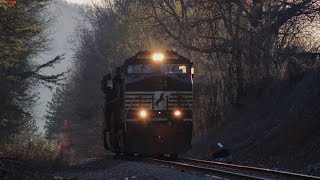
[82,1]
[62,30]
[78,1]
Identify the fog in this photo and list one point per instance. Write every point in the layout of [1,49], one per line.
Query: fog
[66,16]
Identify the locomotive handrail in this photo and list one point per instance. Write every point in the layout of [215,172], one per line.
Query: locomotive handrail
[125,118]
[189,106]
[131,104]
[112,101]
[187,102]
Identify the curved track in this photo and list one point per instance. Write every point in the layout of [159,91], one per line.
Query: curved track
[229,171]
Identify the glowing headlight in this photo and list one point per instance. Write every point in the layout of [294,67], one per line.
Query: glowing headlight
[143,114]
[158,57]
[177,113]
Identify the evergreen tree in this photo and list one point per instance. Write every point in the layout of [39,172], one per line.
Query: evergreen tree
[55,113]
[22,36]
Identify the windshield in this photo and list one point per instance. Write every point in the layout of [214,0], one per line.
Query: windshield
[156,68]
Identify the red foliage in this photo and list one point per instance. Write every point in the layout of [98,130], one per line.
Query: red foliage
[9,2]
[65,142]
[13,2]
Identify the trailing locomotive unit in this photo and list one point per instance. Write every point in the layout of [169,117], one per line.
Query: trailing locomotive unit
[149,105]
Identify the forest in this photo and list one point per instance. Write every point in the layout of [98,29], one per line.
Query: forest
[253,58]
[23,35]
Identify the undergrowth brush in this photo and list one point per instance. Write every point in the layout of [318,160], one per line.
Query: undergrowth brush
[36,147]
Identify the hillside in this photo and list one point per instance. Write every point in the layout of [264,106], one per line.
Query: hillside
[275,124]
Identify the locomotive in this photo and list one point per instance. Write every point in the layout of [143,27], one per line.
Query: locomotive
[149,105]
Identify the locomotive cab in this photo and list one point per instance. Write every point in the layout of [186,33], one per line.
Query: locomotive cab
[150,105]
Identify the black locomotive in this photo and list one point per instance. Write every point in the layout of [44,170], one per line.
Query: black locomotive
[149,105]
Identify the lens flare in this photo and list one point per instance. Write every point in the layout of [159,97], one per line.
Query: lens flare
[158,57]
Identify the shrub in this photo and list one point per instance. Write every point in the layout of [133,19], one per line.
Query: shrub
[37,147]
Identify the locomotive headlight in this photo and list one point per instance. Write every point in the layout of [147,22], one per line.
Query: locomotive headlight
[158,57]
[143,114]
[177,113]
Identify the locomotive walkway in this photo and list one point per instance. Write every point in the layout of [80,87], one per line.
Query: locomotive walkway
[229,171]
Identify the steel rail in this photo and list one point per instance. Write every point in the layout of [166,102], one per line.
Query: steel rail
[204,169]
[229,171]
[252,170]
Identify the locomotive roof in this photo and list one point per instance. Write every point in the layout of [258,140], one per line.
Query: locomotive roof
[144,57]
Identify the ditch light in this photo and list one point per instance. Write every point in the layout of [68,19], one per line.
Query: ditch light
[143,114]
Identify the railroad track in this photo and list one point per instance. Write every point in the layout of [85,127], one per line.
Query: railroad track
[15,169]
[229,171]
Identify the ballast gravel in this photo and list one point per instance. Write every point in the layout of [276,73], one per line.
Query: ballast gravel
[114,169]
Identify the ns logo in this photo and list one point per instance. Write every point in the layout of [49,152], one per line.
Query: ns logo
[159,100]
